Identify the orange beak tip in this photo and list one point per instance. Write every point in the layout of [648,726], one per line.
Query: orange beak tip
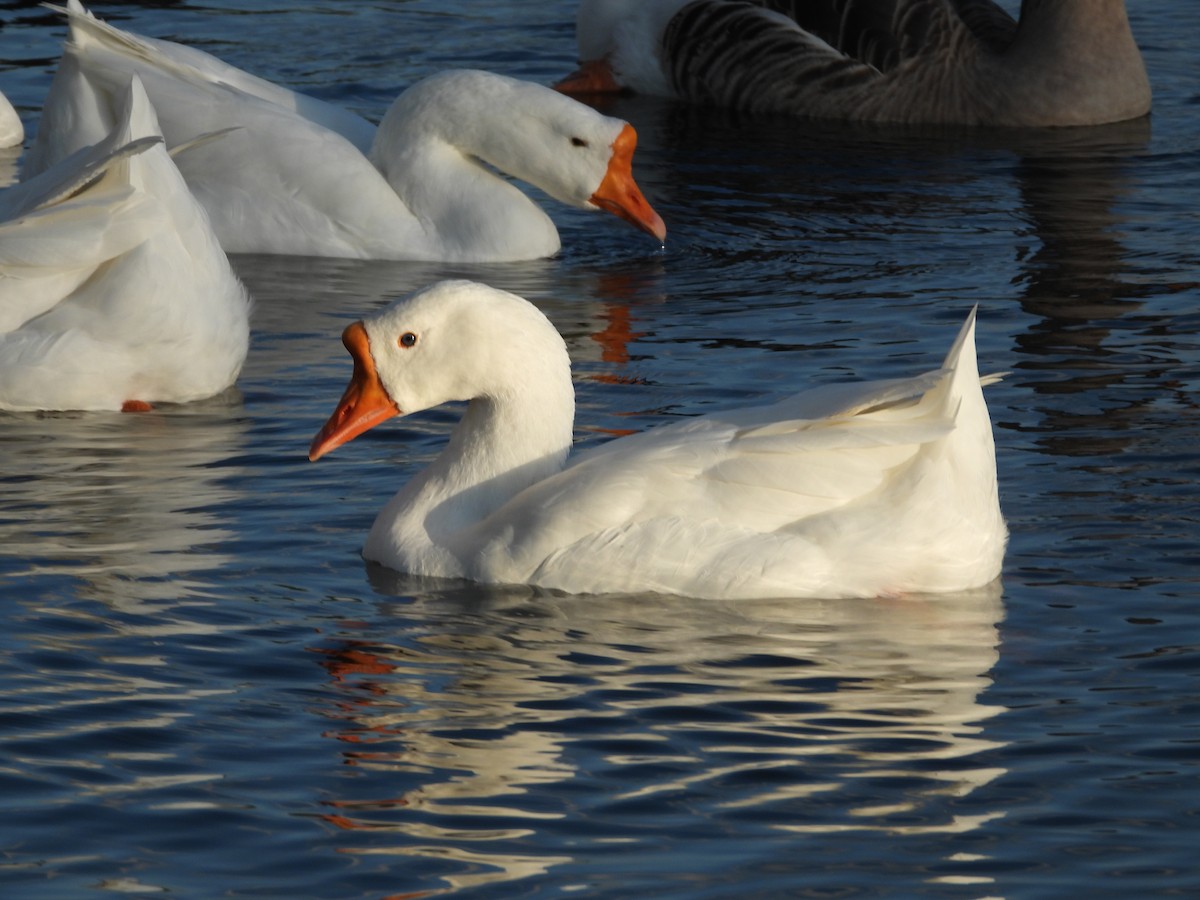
[348,422]
[636,211]
[659,230]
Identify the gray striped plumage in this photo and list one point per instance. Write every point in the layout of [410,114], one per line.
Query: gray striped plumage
[1069,62]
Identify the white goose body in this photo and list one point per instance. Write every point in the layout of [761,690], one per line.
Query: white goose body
[1067,62]
[844,490]
[114,292]
[298,176]
[12,132]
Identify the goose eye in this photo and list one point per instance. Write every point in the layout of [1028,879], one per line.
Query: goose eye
[578,142]
[406,340]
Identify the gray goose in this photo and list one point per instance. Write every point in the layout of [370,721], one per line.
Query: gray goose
[1064,62]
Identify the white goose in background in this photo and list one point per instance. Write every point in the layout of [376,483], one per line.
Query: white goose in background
[844,490]
[114,293]
[1066,62]
[12,132]
[295,175]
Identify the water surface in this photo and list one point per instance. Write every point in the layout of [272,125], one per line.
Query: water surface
[206,692]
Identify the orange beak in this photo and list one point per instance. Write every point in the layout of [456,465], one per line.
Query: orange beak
[592,77]
[618,192]
[364,404]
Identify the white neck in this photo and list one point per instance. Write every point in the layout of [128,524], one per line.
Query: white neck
[504,443]
[480,218]
[498,449]
[430,153]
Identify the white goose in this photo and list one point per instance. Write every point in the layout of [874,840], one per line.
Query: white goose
[843,490]
[1067,62]
[114,293]
[295,177]
[12,132]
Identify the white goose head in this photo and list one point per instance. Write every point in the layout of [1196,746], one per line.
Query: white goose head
[455,340]
[573,153]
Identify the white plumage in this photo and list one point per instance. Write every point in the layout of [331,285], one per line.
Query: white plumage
[12,132]
[299,176]
[114,293]
[842,490]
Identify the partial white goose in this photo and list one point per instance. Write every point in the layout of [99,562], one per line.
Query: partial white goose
[843,490]
[12,132]
[1067,62]
[114,293]
[292,177]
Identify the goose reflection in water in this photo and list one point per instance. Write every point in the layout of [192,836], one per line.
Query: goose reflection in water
[111,532]
[127,507]
[1081,283]
[478,716]
[10,170]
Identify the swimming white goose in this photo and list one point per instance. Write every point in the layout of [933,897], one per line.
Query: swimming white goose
[114,293]
[1068,62]
[843,490]
[12,132]
[294,176]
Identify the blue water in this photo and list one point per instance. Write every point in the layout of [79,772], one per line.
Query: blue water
[205,692]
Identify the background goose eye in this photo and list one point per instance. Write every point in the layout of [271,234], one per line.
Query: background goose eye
[407,340]
[578,142]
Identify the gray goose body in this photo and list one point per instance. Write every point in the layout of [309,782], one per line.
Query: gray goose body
[1064,62]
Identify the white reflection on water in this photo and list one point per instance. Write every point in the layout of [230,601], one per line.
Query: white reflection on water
[9,169]
[476,708]
[107,528]
[127,506]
